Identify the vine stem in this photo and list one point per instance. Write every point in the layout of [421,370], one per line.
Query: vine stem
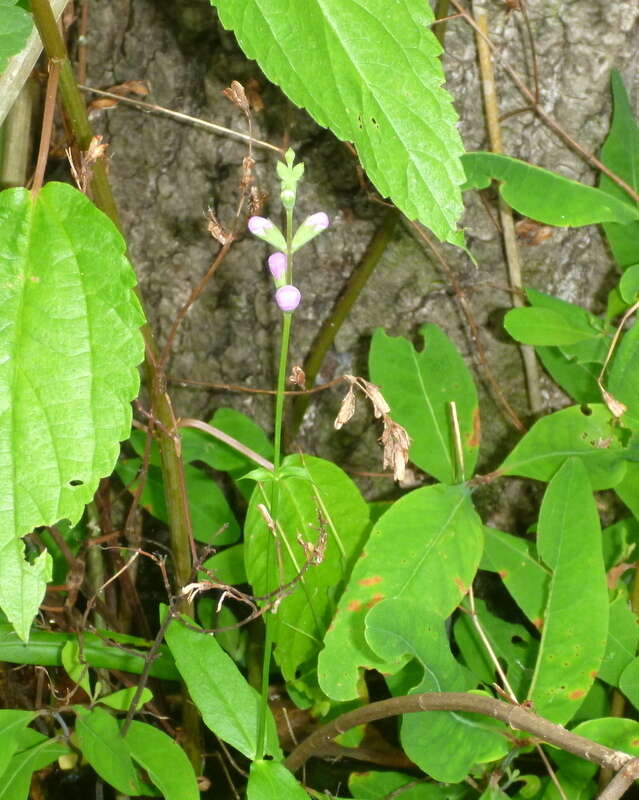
[269,620]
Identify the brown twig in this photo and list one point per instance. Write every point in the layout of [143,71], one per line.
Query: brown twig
[224,437]
[47,126]
[622,781]
[231,387]
[515,716]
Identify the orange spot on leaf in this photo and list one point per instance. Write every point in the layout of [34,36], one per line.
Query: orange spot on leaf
[538,623]
[577,694]
[503,574]
[354,605]
[375,600]
[372,581]
[475,434]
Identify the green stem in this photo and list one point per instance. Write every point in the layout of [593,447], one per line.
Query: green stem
[270,621]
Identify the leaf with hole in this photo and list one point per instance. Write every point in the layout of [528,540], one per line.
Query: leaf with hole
[382,91]
[586,432]
[71,321]
[419,387]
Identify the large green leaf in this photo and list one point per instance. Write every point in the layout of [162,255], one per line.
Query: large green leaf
[621,154]
[419,386]
[69,350]
[587,432]
[573,636]
[11,724]
[372,785]
[228,705]
[34,751]
[370,72]
[392,633]
[623,379]
[514,560]
[103,747]
[543,195]
[15,27]
[270,780]
[542,326]
[426,547]
[163,760]
[303,616]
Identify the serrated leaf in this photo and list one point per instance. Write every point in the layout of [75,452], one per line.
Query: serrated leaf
[620,153]
[70,320]
[270,780]
[583,431]
[382,91]
[514,560]
[542,326]
[573,636]
[391,632]
[543,195]
[163,760]
[304,614]
[103,747]
[228,705]
[418,386]
[211,516]
[15,27]
[430,537]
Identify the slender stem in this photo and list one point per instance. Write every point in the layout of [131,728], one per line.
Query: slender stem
[270,620]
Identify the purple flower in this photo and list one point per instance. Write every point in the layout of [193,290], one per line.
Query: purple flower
[288,297]
[318,221]
[277,265]
[259,225]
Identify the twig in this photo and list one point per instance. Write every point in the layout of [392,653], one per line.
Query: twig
[231,387]
[47,126]
[622,781]
[547,118]
[505,212]
[517,717]
[224,437]
[200,123]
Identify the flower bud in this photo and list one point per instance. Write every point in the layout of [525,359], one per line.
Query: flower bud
[265,229]
[277,265]
[288,297]
[309,229]
[287,197]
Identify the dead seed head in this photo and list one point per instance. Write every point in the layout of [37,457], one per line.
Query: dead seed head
[297,377]
[347,409]
[235,93]
[396,443]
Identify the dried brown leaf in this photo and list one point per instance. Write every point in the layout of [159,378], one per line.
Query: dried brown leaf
[235,93]
[616,407]
[297,377]
[346,410]
[396,443]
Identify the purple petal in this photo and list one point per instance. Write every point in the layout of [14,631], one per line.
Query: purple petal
[288,297]
[259,225]
[277,265]
[318,221]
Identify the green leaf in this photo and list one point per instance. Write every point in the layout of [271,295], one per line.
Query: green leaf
[11,724]
[623,378]
[512,643]
[542,326]
[15,27]
[227,566]
[103,747]
[209,507]
[418,386]
[45,648]
[71,321]
[375,785]
[381,91]
[122,699]
[623,637]
[629,682]
[392,633]
[586,432]
[34,752]
[431,538]
[270,780]
[543,195]
[74,666]
[163,760]
[614,732]
[240,427]
[304,615]
[514,559]
[228,705]
[629,284]
[621,154]
[576,379]
[573,637]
